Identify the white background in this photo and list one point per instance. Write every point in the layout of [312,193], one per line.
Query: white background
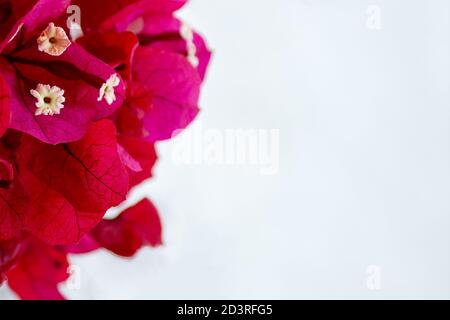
[364,175]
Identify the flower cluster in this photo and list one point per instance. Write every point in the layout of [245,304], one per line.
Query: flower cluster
[81,108]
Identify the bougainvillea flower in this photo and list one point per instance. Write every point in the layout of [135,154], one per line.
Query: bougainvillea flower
[51,217]
[50,100]
[163,89]
[80,112]
[87,172]
[28,62]
[167,32]
[71,186]
[107,91]
[167,94]
[155,25]
[63,191]
[24,14]
[138,226]
[38,271]
[53,40]
[34,269]
[134,228]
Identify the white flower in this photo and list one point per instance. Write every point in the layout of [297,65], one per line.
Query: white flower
[107,90]
[50,100]
[53,40]
[187,35]
[186,32]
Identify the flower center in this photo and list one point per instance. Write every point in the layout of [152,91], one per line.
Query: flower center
[53,40]
[49,100]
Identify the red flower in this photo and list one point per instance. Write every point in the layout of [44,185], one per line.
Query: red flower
[71,186]
[164,65]
[62,191]
[75,76]
[38,271]
[34,269]
[79,118]
[166,32]
[135,227]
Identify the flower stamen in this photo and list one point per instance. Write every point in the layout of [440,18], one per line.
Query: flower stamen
[107,91]
[187,34]
[50,100]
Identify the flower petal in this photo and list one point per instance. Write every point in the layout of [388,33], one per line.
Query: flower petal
[79,73]
[13,206]
[38,272]
[165,32]
[9,252]
[29,16]
[172,89]
[88,173]
[135,227]
[144,153]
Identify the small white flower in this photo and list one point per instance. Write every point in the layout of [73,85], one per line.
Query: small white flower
[50,100]
[193,60]
[186,32]
[107,91]
[53,40]
[187,35]
[192,54]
